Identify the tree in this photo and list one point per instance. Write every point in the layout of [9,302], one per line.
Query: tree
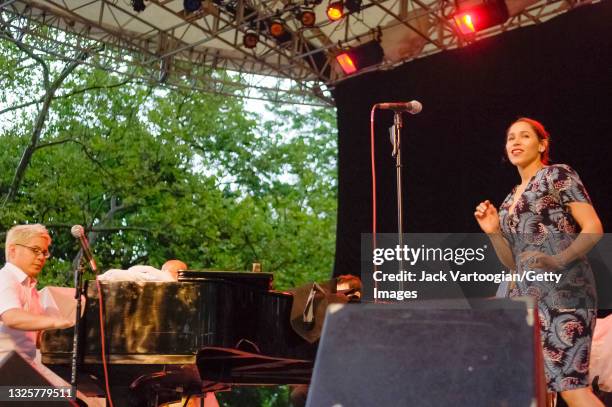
[156,173]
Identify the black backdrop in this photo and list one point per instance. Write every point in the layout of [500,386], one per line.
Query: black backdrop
[559,72]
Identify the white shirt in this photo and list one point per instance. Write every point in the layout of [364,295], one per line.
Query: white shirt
[136,273]
[18,290]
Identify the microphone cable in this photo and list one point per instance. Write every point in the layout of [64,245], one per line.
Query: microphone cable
[103,344]
[79,232]
[373,163]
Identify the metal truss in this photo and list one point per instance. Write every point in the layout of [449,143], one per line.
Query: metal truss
[204,49]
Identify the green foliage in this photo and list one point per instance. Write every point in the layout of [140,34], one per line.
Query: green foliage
[162,173]
[274,396]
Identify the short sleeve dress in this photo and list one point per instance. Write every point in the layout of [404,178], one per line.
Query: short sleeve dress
[541,221]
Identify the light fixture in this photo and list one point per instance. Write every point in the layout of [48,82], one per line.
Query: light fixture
[276,28]
[471,18]
[360,57]
[250,39]
[353,6]
[346,63]
[138,5]
[335,10]
[308,17]
[192,6]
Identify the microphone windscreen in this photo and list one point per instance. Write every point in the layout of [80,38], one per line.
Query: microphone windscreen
[416,107]
[77,231]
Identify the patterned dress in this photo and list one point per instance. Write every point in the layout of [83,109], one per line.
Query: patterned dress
[541,221]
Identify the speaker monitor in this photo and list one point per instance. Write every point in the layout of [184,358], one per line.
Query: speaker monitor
[429,353]
[18,371]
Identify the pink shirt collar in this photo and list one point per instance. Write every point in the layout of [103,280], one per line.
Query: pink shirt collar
[19,274]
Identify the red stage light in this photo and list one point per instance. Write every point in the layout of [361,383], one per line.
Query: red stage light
[335,10]
[465,23]
[308,17]
[276,28]
[346,63]
[360,57]
[471,18]
[250,39]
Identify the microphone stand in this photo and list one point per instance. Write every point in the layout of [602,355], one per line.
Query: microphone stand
[78,291]
[397,153]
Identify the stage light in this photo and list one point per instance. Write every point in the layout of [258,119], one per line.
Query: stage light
[308,17]
[471,18]
[138,5]
[465,23]
[191,6]
[358,58]
[353,6]
[335,10]
[346,63]
[276,28]
[250,39]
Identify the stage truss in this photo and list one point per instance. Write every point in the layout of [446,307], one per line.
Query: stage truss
[204,50]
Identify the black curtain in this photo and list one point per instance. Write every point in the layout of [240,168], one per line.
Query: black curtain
[558,72]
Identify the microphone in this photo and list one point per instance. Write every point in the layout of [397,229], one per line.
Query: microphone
[413,107]
[79,232]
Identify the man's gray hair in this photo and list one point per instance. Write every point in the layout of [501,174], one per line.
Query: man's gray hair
[22,234]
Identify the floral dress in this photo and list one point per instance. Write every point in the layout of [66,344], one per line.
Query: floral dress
[541,221]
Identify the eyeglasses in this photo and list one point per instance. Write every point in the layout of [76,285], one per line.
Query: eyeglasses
[36,250]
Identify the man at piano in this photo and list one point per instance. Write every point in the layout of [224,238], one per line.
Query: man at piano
[21,313]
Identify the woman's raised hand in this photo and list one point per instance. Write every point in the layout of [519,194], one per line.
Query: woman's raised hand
[487,217]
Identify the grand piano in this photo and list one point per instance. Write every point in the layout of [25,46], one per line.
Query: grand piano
[164,339]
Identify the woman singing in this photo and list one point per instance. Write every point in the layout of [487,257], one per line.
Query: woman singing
[547,224]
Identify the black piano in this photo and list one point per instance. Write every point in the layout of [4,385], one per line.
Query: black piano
[208,330]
